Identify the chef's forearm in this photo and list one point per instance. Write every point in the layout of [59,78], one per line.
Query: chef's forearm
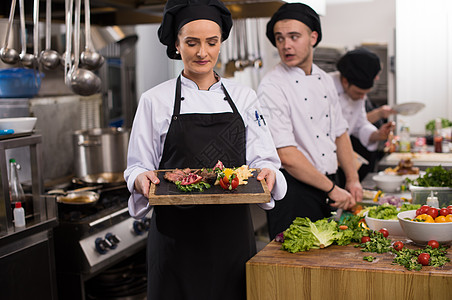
[297,165]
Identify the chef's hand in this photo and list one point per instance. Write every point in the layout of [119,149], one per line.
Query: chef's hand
[143,182]
[342,198]
[385,111]
[382,133]
[270,177]
[356,190]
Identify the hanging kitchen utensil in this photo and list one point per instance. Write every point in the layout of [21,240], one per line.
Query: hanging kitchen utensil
[246,59]
[49,58]
[90,59]
[81,81]
[258,61]
[238,61]
[35,33]
[229,68]
[26,59]
[69,4]
[9,55]
[408,108]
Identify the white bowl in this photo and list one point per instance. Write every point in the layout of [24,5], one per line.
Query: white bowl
[421,233]
[388,183]
[19,125]
[393,226]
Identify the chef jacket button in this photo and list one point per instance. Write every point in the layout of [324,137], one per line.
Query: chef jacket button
[319,78]
[327,116]
[305,99]
[311,118]
[324,96]
[334,151]
[327,134]
[317,136]
[182,98]
[225,98]
[175,118]
[296,81]
[323,154]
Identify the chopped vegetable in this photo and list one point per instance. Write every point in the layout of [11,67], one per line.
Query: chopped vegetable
[196,187]
[434,177]
[409,257]
[389,212]
[369,258]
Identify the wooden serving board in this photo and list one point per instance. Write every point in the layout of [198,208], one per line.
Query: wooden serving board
[339,272]
[166,193]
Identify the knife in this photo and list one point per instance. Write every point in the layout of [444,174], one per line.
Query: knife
[6,131]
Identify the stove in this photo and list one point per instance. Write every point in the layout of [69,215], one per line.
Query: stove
[92,238]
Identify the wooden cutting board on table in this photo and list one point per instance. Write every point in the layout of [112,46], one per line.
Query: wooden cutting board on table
[166,193]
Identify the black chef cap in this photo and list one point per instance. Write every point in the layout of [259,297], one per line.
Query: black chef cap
[359,67]
[177,13]
[296,11]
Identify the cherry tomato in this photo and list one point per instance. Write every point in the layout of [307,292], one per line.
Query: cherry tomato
[234,182]
[384,231]
[449,207]
[443,211]
[434,244]
[418,212]
[433,212]
[424,259]
[365,239]
[224,184]
[398,245]
[449,210]
[230,183]
[424,209]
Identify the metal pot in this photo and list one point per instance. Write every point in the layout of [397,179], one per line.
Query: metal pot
[79,198]
[100,154]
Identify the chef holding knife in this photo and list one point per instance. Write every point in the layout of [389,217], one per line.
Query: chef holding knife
[357,71]
[199,251]
[306,123]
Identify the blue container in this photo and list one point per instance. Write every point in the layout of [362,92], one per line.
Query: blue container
[19,83]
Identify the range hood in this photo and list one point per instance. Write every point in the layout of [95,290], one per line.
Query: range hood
[131,12]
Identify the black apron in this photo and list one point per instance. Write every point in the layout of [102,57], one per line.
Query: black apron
[199,251]
[301,200]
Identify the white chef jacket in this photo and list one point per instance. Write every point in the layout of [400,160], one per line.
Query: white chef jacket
[304,112]
[153,118]
[354,111]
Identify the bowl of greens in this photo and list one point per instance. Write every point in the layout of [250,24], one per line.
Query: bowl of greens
[436,180]
[385,216]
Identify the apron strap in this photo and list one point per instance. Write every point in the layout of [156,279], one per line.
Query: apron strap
[178,98]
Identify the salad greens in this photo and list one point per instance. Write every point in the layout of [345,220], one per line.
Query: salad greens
[195,187]
[409,257]
[389,212]
[303,234]
[434,177]
[431,124]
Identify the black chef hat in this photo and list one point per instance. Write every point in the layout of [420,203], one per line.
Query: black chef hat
[359,67]
[296,11]
[177,13]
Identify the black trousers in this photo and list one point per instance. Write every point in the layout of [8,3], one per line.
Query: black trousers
[301,200]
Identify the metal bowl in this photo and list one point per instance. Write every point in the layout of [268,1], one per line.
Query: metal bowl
[79,198]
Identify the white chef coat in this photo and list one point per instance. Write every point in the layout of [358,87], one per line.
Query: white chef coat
[354,111]
[304,112]
[153,118]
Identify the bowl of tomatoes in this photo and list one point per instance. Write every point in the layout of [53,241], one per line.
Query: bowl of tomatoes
[427,223]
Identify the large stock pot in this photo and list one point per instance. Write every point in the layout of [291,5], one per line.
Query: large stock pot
[100,154]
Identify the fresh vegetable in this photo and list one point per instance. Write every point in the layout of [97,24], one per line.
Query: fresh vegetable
[343,227]
[444,211]
[369,258]
[430,126]
[378,243]
[409,258]
[303,234]
[230,182]
[433,243]
[433,212]
[365,239]
[424,259]
[384,231]
[389,212]
[398,245]
[196,187]
[354,232]
[280,237]
[434,177]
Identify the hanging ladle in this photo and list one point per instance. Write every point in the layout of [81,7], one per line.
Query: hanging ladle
[258,61]
[26,59]
[89,58]
[49,58]
[9,55]
[81,81]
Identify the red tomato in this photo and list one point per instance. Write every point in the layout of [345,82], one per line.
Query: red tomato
[424,209]
[449,207]
[424,259]
[365,239]
[384,231]
[223,184]
[449,210]
[433,212]
[443,211]
[434,244]
[398,245]
[234,182]
[418,212]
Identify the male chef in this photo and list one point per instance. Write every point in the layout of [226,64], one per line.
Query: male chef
[357,71]
[306,123]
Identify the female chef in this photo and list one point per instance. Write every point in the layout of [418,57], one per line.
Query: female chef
[199,251]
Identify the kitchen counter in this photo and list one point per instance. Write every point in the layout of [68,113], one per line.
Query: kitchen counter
[420,160]
[339,272]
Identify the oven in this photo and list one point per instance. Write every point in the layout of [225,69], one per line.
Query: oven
[99,249]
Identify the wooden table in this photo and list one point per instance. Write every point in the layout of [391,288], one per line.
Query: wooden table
[339,272]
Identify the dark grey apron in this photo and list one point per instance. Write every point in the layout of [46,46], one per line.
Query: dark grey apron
[199,251]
